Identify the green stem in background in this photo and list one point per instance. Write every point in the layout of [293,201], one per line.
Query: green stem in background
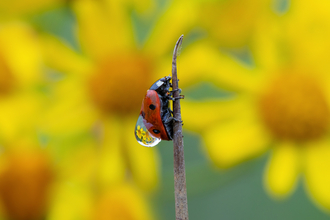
[180,190]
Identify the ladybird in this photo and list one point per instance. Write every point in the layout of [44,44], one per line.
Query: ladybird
[155,121]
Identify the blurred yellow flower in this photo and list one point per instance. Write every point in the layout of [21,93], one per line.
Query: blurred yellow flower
[78,195]
[25,172]
[71,201]
[11,9]
[283,102]
[25,184]
[20,81]
[102,93]
[123,203]
[75,187]
[232,23]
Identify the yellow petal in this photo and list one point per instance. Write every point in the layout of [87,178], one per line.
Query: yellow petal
[102,32]
[122,202]
[178,18]
[71,201]
[317,171]
[143,161]
[15,122]
[203,62]
[282,169]
[231,23]
[313,39]
[71,154]
[200,115]
[144,7]
[69,104]
[268,49]
[111,166]
[22,7]
[19,46]
[234,141]
[61,57]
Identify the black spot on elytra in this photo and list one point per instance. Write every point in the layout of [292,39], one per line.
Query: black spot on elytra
[156,131]
[152,107]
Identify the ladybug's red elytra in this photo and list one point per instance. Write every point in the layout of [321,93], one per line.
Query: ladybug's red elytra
[155,122]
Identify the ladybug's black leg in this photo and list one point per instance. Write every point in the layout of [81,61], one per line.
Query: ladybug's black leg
[170,119]
[175,98]
[171,92]
[180,97]
[170,97]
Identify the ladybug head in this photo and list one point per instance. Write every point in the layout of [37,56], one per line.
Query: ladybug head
[162,85]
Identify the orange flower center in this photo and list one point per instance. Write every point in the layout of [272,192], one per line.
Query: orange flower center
[24,186]
[120,82]
[6,78]
[294,107]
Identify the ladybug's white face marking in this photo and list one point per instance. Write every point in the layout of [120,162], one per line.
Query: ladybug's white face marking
[159,83]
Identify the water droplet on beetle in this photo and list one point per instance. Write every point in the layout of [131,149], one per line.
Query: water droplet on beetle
[143,136]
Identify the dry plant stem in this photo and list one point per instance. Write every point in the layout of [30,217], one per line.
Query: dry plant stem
[181,202]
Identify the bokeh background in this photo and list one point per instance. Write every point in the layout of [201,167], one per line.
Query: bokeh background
[255,75]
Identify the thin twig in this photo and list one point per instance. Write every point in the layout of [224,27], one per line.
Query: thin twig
[181,202]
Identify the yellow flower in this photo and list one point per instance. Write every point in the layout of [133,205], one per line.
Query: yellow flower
[10,9]
[123,202]
[25,183]
[71,201]
[76,182]
[283,103]
[25,175]
[21,100]
[148,137]
[232,23]
[79,195]
[103,90]
[229,23]
[144,140]
[140,132]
